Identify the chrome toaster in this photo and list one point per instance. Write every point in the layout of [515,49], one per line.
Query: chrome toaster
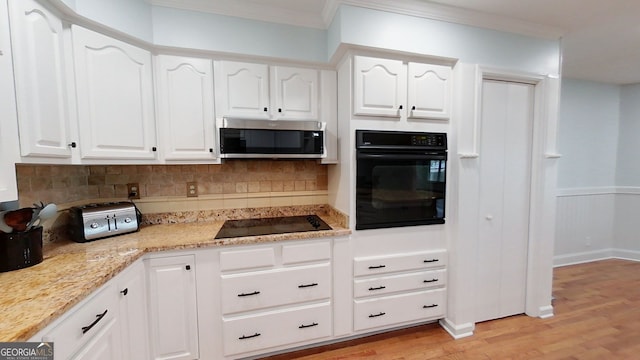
[96,221]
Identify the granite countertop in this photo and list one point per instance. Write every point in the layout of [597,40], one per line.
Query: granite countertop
[32,298]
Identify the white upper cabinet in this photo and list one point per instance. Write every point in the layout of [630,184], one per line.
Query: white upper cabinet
[260,91]
[185,107]
[242,89]
[429,91]
[38,51]
[294,93]
[114,91]
[380,87]
[8,124]
[391,88]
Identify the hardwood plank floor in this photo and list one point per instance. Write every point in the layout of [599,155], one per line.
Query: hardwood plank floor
[597,316]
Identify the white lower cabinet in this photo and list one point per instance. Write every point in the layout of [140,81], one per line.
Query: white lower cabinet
[275,296]
[273,328]
[107,325]
[173,315]
[396,289]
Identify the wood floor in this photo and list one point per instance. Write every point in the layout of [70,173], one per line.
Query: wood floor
[597,316]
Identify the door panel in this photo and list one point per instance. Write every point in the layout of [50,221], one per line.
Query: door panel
[505,163]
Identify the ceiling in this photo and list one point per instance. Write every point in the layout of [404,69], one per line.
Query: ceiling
[600,39]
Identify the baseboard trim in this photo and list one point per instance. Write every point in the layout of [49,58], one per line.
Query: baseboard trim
[585,257]
[546,312]
[457,331]
[582,257]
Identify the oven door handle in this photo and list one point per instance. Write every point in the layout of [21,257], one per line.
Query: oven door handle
[403,156]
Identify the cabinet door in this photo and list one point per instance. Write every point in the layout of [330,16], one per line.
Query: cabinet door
[114,88]
[429,91]
[185,107]
[294,93]
[243,90]
[38,51]
[173,307]
[380,87]
[103,346]
[133,312]
[8,124]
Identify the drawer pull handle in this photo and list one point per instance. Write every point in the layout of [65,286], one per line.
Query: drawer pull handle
[430,281]
[98,318]
[430,306]
[377,266]
[249,294]
[303,326]
[431,260]
[378,314]
[125,291]
[377,288]
[307,285]
[244,337]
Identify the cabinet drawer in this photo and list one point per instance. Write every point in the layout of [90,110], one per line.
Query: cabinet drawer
[247,259]
[395,283]
[100,310]
[298,253]
[399,262]
[257,290]
[271,329]
[378,312]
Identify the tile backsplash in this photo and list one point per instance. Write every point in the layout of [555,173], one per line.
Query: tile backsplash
[72,183]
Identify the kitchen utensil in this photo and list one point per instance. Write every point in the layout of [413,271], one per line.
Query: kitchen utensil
[41,213]
[18,219]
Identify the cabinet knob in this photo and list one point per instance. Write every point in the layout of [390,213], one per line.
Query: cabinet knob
[73,144]
[125,291]
[188,267]
[400,107]
[489,217]
[210,150]
[154,149]
[413,108]
[265,109]
[279,110]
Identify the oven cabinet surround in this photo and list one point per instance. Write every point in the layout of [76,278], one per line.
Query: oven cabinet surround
[173,306]
[288,284]
[398,89]
[185,103]
[114,94]
[108,324]
[37,34]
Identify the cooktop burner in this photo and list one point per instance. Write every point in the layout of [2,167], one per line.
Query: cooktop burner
[268,226]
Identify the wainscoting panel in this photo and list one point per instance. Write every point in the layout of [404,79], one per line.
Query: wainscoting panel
[584,225]
[626,225]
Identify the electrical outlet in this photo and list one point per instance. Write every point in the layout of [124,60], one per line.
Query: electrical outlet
[192,189]
[133,191]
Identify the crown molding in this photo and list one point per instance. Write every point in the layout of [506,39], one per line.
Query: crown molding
[417,8]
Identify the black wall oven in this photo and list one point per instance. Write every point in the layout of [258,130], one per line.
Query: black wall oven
[400,178]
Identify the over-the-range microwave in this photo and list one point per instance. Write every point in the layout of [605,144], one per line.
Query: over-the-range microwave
[242,138]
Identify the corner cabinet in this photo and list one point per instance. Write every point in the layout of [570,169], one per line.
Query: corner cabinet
[39,63]
[185,107]
[260,91]
[392,88]
[173,314]
[109,324]
[114,93]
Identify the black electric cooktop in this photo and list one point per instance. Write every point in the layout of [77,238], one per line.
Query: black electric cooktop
[269,226]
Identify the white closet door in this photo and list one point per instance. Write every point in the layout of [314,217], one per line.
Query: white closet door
[505,168]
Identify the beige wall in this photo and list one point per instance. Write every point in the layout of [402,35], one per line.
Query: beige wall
[235,179]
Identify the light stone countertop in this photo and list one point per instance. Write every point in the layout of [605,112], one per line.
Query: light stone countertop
[33,297]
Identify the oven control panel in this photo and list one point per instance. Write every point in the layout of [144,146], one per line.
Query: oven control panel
[435,140]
